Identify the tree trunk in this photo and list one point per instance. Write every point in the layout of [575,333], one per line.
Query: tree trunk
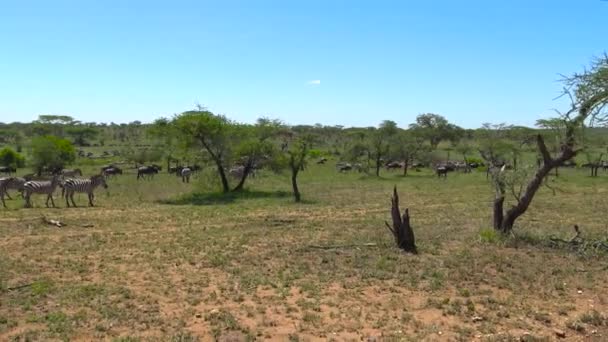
[405,166]
[507,221]
[498,213]
[378,165]
[294,184]
[246,172]
[401,229]
[223,178]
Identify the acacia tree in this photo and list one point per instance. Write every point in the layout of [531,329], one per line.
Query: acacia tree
[380,142]
[255,146]
[297,152]
[209,131]
[436,129]
[81,134]
[407,146]
[588,92]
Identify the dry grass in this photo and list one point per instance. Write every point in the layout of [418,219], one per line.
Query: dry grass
[160,263]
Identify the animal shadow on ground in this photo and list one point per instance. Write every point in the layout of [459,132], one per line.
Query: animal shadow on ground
[213,198]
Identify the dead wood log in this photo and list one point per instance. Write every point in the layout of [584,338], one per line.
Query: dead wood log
[401,228]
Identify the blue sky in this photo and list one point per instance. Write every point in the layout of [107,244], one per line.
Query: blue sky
[352,63]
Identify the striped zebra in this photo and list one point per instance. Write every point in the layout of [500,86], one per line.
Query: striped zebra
[5,184]
[11,183]
[87,186]
[40,187]
[71,173]
[186,173]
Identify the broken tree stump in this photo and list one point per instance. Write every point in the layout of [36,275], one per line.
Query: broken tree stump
[401,229]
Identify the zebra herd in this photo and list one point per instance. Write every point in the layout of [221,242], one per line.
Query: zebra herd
[69,187]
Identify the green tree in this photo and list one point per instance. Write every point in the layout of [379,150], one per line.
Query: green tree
[379,144]
[435,128]
[51,152]
[297,154]
[588,92]
[255,146]
[210,132]
[8,157]
[82,134]
[407,147]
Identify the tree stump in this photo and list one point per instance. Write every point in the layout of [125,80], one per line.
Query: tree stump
[401,229]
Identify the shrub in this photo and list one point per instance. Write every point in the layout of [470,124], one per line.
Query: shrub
[8,157]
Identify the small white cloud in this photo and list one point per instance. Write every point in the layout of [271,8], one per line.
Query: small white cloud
[314,82]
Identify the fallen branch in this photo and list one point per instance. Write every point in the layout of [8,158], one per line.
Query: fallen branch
[580,243]
[18,287]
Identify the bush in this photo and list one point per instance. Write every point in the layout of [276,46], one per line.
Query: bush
[8,157]
[489,235]
[51,152]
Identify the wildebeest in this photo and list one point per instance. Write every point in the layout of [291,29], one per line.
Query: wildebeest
[7,170]
[111,171]
[146,171]
[71,173]
[343,167]
[322,161]
[177,170]
[393,165]
[442,171]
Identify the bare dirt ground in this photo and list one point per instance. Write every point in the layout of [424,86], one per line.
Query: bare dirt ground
[258,267]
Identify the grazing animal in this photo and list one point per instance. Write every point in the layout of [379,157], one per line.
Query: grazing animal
[393,165]
[146,171]
[237,171]
[177,170]
[344,167]
[40,187]
[111,171]
[186,173]
[442,171]
[7,170]
[5,184]
[87,186]
[71,173]
[322,161]
[11,183]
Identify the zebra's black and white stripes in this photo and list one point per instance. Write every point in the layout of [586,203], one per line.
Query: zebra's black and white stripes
[87,186]
[10,183]
[40,187]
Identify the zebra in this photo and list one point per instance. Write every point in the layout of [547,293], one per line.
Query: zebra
[87,186]
[12,183]
[40,187]
[4,186]
[71,173]
[186,173]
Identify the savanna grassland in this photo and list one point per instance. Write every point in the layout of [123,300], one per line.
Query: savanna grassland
[160,260]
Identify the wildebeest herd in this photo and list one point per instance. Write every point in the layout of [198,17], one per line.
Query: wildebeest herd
[71,181]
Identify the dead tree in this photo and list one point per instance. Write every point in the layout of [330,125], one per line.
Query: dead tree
[589,99]
[401,229]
